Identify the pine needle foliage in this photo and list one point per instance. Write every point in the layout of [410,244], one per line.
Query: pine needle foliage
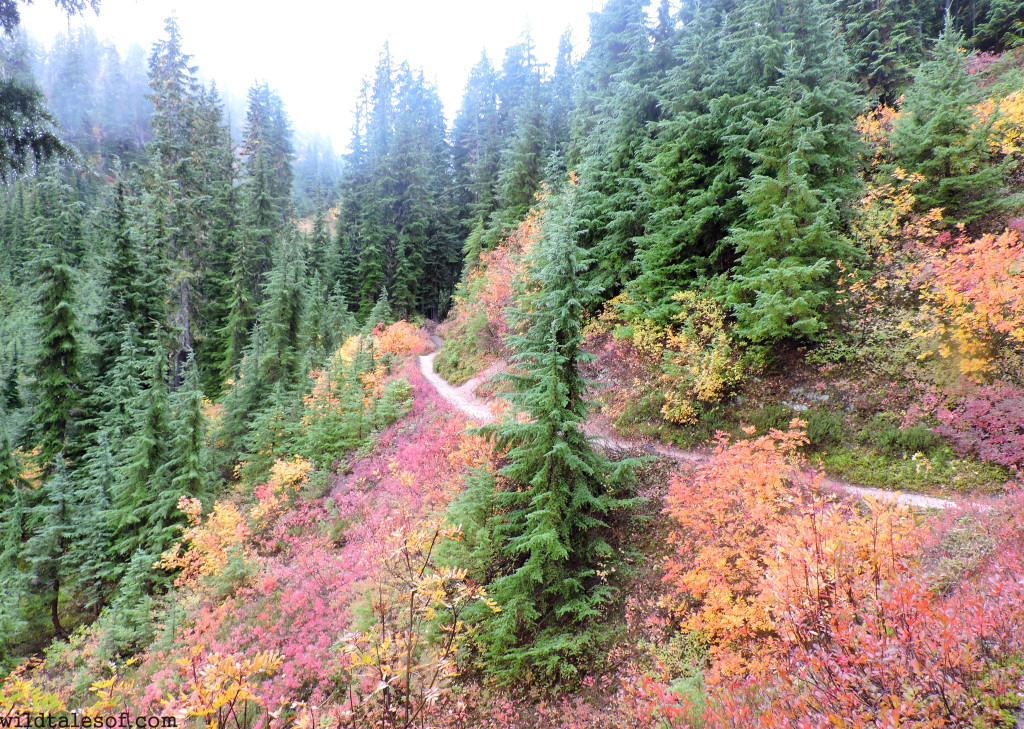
[550,517]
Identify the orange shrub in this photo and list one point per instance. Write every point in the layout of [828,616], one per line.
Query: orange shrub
[401,338]
[724,539]
[975,302]
[764,560]
[211,544]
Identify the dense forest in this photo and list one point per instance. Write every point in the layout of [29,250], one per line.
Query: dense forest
[689,287]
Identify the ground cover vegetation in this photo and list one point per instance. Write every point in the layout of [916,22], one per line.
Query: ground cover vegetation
[786,233]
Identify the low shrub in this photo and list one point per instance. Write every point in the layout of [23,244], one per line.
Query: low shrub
[824,428]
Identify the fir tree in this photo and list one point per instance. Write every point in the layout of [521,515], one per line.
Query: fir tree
[381,313]
[788,237]
[274,360]
[10,391]
[617,104]
[94,568]
[937,137]
[51,527]
[142,479]
[477,146]
[550,521]
[58,374]
[129,299]
[723,95]
[884,40]
[282,318]
[188,462]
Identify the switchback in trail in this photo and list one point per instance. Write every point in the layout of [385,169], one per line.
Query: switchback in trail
[464,399]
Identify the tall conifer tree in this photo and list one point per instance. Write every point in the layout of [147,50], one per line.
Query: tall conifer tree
[550,521]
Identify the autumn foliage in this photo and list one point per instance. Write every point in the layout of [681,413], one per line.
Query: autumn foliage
[975,301]
[822,613]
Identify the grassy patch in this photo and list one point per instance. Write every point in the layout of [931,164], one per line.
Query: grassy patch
[937,470]
[874,453]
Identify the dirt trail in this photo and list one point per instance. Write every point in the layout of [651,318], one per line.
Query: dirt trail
[464,398]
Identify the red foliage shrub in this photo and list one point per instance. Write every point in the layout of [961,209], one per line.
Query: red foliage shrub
[988,423]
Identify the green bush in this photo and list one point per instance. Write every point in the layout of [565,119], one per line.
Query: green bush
[884,434]
[824,428]
[772,415]
[461,355]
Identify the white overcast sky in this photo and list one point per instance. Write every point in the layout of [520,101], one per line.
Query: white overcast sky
[316,53]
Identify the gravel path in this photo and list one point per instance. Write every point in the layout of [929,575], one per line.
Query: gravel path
[464,398]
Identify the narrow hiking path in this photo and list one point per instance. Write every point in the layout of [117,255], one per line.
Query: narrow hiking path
[464,399]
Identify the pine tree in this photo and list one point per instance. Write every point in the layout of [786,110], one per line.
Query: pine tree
[551,518]
[723,96]
[113,440]
[57,369]
[51,526]
[617,105]
[884,41]
[937,137]
[142,479]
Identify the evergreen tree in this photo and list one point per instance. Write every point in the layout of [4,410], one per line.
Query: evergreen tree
[89,552]
[477,146]
[522,121]
[174,179]
[28,134]
[142,480]
[130,300]
[937,137]
[337,323]
[722,96]
[617,105]
[58,366]
[273,363]
[381,313]
[282,318]
[550,521]
[50,526]
[186,469]
[323,254]
[215,210]
[884,40]
[10,391]
[787,239]
[235,332]
[113,441]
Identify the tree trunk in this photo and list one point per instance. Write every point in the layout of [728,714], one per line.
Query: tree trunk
[54,617]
